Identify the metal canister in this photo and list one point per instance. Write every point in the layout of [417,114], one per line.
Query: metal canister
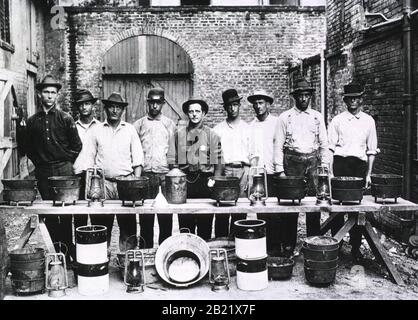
[176,186]
[250,239]
[252,275]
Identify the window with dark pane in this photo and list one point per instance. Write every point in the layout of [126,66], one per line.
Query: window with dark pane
[4,21]
[195,3]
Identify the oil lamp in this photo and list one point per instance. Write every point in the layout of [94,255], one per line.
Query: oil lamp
[95,186]
[134,271]
[257,186]
[219,270]
[323,195]
[56,274]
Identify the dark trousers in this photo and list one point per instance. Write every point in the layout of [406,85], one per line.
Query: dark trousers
[276,234]
[348,167]
[146,221]
[80,220]
[126,222]
[224,228]
[200,224]
[303,165]
[59,226]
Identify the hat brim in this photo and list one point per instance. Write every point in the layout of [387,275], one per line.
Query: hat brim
[93,100]
[205,107]
[310,89]
[160,100]
[253,98]
[107,102]
[40,86]
[358,94]
[235,99]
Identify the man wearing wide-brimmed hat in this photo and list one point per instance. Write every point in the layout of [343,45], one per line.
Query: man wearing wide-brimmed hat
[303,146]
[156,133]
[198,153]
[114,146]
[263,146]
[85,104]
[52,145]
[235,141]
[353,143]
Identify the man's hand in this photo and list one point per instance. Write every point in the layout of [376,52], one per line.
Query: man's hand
[282,174]
[368,181]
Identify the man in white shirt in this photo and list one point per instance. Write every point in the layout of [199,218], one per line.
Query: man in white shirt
[235,141]
[353,142]
[85,103]
[263,147]
[303,145]
[113,145]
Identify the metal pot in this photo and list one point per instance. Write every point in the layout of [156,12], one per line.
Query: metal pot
[132,189]
[386,179]
[289,187]
[280,268]
[347,195]
[27,195]
[225,189]
[19,184]
[176,187]
[347,183]
[65,189]
[386,191]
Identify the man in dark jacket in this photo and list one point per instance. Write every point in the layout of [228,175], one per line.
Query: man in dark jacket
[52,144]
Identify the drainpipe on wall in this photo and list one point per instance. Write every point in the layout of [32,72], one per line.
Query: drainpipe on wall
[408,96]
[324,109]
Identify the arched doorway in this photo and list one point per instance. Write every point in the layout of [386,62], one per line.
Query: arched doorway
[135,65]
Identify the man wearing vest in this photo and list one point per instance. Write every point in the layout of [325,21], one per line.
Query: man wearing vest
[303,146]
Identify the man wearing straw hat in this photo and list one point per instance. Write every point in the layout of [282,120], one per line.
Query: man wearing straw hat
[263,147]
[52,144]
[156,133]
[303,145]
[235,141]
[114,146]
[353,143]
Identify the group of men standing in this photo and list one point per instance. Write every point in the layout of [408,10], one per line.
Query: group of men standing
[293,144]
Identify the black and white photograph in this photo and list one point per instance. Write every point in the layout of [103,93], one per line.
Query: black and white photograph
[209,155]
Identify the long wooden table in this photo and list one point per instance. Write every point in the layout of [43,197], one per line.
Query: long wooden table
[357,215]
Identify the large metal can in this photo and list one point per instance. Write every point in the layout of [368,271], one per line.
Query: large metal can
[176,186]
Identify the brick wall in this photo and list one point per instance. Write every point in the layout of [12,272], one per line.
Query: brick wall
[226,49]
[374,59]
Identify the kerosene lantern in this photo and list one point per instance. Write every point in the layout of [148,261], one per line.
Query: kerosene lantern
[257,186]
[323,196]
[95,186]
[56,277]
[219,270]
[134,277]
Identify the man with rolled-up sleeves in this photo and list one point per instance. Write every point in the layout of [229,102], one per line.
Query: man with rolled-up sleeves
[114,146]
[353,143]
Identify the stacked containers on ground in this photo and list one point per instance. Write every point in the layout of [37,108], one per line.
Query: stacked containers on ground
[251,252]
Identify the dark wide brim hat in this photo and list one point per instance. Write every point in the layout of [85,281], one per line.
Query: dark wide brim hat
[186,105]
[48,81]
[301,85]
[230,96]
[260,94]
[115,98]
[353,90]
[83,95]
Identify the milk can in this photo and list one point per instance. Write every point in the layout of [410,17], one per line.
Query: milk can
[176,186]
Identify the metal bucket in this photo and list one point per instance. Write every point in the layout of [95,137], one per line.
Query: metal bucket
[176,187]
[189,247]
[252,274]
[28,271]
[321,259]
[250,239]
[92,260]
